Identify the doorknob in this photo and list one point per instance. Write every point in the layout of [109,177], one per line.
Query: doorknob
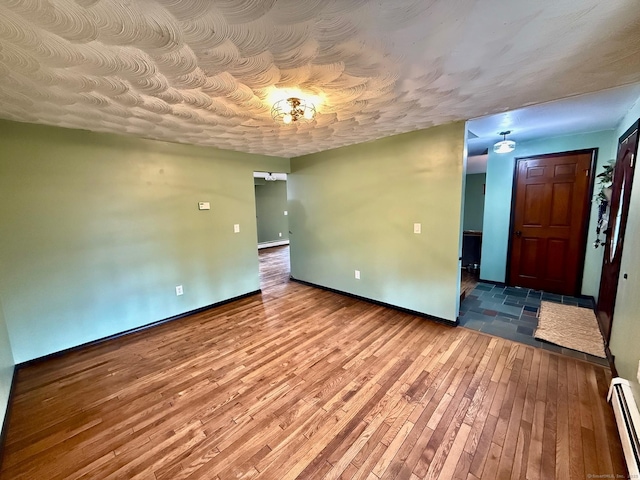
[518,233]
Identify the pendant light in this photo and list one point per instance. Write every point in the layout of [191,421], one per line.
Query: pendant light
[504,145]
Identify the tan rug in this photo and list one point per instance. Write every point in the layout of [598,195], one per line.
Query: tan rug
[570,327]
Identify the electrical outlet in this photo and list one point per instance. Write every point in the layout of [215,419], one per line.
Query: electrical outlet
[357,274]
[179,290]
[417,228]
[236,228]
[280,234]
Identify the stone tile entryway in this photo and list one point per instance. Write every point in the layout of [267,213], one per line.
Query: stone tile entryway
[512,313]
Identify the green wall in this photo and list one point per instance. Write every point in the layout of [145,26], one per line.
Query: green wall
[497,207]
[6,367]
[474,201]
[625,332]
[353,208]
[271,203]
[98,230]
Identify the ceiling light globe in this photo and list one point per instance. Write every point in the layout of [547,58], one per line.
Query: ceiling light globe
[287,118]
[505,146]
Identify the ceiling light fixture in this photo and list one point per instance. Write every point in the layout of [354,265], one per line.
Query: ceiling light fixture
[293,110]
[270,177]
[504,145]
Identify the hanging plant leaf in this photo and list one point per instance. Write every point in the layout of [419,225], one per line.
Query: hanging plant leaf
[605,178]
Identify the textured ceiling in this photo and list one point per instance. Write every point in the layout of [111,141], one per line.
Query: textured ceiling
[207,72]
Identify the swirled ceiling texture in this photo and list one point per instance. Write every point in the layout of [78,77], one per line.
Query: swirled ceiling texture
[207,72]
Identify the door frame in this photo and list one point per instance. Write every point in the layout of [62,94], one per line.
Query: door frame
[625,136]
[588,205]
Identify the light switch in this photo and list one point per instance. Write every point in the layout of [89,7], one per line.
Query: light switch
[417,228]
[236,228]
[286,213]
[204,206]
[357,274]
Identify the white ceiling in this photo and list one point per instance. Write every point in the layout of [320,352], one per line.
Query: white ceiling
[584,113]
[207,72]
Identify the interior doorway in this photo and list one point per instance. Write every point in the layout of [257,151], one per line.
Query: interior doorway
[272,220]
[617,222]
[272,216]
[549,221]
[472,222]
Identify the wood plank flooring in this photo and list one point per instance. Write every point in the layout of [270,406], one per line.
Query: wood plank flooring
[468,282]
[303,383]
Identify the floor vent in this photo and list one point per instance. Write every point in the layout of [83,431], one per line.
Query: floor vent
[628,420]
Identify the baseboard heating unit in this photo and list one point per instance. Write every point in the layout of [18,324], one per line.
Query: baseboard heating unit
[628,420]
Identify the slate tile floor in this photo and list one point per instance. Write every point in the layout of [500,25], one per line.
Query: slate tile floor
[512,313]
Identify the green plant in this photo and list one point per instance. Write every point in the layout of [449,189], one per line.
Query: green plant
[604,181]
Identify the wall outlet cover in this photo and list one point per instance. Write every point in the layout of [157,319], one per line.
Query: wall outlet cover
[179,290]
[417,228]
[286,213]
[358,274]
[236,228]
[204,206]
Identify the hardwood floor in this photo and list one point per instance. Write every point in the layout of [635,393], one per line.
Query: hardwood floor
[274,268]
[468,281]
[304,383]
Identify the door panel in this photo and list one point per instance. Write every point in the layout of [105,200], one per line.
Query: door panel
[561,205]
[528,257]
[533,172]
[550,215]
[557,250]
[565,169]
[620,197]
[532,215]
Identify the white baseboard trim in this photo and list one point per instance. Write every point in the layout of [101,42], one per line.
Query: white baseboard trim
[273,244]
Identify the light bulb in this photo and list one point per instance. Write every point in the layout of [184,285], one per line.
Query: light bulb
[287,118]
[504,146]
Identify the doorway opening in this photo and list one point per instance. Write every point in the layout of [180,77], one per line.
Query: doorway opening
[271,209]
[272,220]
[472,222]
[511,310]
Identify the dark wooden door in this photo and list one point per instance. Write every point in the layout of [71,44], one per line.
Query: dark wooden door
[550,216]
[614,240]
